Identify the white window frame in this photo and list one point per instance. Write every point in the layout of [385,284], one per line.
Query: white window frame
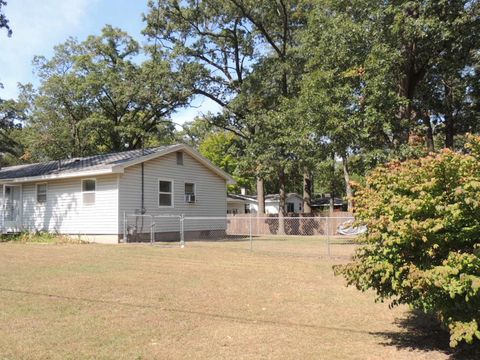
[88,192]
[194,192]
[171,193]
[36,194]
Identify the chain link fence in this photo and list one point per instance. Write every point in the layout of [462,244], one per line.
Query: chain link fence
[166,229]
[303,236]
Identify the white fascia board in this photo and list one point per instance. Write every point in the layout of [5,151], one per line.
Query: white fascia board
[236,201]
[176,148]
[272,201]
[69,175]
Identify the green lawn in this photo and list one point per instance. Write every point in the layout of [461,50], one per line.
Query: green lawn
[206,301]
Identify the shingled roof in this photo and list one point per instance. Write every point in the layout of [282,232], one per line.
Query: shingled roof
[269,197]
[96,162]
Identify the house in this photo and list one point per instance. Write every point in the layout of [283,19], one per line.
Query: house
[244,204]
[239,204]
[322,204]
[89,197]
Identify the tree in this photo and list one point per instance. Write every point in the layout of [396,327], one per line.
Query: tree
[6,119]
[367,85]
[3,19]
[194,132]
[95,96]
[223,149]
[220,44]
[332,87]
[12,114]
[429,38]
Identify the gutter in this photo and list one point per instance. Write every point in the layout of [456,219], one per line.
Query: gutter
[110,170]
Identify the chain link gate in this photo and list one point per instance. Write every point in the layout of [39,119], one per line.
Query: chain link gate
[153,228]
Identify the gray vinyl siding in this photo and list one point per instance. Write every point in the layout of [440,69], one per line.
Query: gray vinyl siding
[1,208]
[64,211]
[210,191]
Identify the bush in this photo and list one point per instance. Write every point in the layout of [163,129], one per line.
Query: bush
[422,247]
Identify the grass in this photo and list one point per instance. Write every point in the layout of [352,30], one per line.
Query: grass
[40,237]
[206,301]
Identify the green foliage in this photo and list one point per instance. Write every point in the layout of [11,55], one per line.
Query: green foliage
[222,149]
[194,132]
[40,237]
[327,182]
[240,54]
[12,113]
[3,19]
[95,96]
[423,241]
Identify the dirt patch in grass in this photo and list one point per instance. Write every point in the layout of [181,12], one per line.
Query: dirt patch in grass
[205,301]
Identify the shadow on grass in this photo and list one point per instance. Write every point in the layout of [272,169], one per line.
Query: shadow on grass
[423,333]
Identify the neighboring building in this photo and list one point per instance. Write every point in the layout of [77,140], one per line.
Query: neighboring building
[245,204]
[89,196]
[236,204]
[293,203]
[322,204]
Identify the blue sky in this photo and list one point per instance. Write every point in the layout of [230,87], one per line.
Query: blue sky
[38,25]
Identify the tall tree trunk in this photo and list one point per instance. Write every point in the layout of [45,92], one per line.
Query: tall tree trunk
[307,192]
[281,205]
[332,186]
[407,88]
[449,131]
[348,187]
[429,134]
[260,197]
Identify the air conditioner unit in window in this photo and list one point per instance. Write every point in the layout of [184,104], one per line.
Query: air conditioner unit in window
[190,198]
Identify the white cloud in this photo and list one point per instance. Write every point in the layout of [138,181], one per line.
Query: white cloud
[37,26]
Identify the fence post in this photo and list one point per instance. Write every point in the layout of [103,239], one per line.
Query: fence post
[182,231]
[125,240]
[250,233]
[328,236]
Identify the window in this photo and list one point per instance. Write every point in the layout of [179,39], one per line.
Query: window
[190,193]
[165,192]
[89,186]
[179,158]
[41,193]
[290,207]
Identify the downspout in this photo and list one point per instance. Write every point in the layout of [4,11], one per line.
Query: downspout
[142,209]
[2,208]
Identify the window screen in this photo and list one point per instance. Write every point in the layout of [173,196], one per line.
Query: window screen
[165,193]
[190,193]
[89,186]
[41,193]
